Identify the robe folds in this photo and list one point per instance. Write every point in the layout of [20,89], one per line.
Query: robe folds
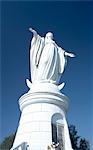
[47,60]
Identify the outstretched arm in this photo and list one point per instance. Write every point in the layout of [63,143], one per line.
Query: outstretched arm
[66,53]
[33,31]
[69,54]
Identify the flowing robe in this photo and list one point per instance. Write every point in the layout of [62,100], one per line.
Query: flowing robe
[47,60]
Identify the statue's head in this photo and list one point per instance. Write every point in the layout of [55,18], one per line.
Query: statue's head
[49,35]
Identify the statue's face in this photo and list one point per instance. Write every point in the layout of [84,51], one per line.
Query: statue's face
[49,35]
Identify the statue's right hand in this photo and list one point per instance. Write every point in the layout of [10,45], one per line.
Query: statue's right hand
[33,31]
[30,29]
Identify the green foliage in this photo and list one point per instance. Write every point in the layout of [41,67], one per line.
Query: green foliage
[7,143]
[77,142]
[74,137]
[84,145]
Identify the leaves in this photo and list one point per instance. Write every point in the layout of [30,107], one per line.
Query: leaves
[77,142]
[7,143]
[84,144]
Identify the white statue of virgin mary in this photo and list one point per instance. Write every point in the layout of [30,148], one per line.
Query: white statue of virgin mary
[47,59]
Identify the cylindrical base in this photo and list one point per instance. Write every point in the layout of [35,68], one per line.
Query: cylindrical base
[42,110]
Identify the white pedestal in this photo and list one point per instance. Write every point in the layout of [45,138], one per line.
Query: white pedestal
[39,107]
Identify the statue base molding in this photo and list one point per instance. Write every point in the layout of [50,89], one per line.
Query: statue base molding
[43,107]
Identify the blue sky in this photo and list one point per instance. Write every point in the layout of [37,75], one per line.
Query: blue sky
[72,25]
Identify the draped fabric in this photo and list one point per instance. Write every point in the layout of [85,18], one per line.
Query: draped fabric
[48,67]
[62,59]
[37,45]
[47,60]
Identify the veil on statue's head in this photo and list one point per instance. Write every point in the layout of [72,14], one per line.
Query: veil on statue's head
[49,35]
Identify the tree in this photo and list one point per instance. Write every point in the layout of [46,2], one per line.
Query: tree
[77,142]
[84,144]
[7,143]
[74,137]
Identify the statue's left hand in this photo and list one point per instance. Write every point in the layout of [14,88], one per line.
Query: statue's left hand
[69,54]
